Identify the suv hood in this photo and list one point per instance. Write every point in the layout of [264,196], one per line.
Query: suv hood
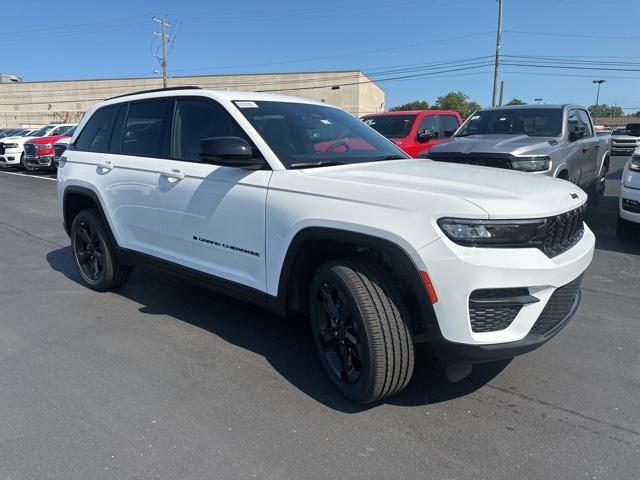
[513,144]
[501,193]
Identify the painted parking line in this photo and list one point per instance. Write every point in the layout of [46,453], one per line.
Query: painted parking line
[30,176]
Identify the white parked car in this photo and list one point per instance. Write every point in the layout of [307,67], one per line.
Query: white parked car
[301,208]
[628,227]
[12,148]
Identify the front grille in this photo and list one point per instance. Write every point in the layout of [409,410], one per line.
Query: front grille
[482,160]
[1,148]
[632,206]
[557,308]
[624,140]
[30,149]
[58,150]
[563,231]
[492,317]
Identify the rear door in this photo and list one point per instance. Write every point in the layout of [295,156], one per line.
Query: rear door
[212,217]
[124,165]
[590,146]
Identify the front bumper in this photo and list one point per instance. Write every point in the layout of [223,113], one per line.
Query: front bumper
[457,271]
[10,157]
[40,162]
[633,194]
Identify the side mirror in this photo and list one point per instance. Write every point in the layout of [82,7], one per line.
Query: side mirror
[229,152]
[426,135]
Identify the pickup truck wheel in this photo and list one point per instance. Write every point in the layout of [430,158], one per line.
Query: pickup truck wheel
[24,165]
[93,254]
[596,192]
[624,229]
[361,330]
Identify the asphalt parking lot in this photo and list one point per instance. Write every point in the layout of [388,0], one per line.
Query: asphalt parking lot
[163,379]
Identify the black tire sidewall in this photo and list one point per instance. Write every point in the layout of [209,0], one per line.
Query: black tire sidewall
[362,389]
[106,279]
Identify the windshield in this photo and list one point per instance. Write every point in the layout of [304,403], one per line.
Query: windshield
[304,135]
[534,122]
[620,131]
[70,132]
[633,129]
[391,126]
[42,132]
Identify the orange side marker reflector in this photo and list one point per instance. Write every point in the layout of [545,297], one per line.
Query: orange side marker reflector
[428,286]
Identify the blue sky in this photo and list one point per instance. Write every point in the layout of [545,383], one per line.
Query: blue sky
[85,39]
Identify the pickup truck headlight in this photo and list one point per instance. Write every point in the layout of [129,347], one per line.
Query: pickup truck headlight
[499,233]
[634,164]
[10,145]
[531,164]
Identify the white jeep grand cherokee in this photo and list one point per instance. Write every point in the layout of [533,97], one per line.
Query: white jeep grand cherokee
[299,207]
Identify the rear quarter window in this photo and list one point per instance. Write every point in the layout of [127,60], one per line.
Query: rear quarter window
[96,134]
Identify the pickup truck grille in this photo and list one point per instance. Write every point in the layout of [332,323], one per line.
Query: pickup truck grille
[625,140]
[58,150]
[496,160]
[30,149]
[563,231]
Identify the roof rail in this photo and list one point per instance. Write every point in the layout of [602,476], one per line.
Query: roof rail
[185,87]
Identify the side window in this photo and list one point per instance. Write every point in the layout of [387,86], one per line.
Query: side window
[448,124]
[428,122]
[144,127]
[585,123]
[195,120]
[572,122]
[96,134]
[59,130]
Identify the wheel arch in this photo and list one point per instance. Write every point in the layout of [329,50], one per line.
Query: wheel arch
[77,198]
[313,246]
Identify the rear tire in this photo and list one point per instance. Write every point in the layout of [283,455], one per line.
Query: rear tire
[361,329]
[625,229]
[93,254]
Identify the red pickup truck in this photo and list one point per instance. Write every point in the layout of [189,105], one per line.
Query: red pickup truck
[39,151]
[415,131]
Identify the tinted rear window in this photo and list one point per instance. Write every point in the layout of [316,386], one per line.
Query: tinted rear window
[96,134]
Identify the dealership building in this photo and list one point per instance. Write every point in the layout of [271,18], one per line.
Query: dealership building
[31,104]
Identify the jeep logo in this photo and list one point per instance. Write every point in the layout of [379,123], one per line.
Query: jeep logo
[574,196]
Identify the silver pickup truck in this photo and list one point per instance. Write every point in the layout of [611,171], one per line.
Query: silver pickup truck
[555,140]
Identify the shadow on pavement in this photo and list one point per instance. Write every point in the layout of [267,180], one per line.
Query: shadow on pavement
[285,343]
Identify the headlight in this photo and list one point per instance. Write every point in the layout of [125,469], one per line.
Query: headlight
[10,145]
[531,164]
[634,164]
[44,146]
[504,233]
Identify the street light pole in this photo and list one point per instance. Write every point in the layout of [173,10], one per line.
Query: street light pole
[599,82]
[537,100]
[497,62]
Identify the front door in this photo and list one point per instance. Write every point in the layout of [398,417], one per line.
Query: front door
[212,217]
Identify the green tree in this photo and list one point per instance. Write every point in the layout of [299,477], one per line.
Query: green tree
[415,105]
[516,101]
[605,110]
[457,101]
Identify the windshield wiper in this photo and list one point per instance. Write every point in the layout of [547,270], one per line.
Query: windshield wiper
[320,163]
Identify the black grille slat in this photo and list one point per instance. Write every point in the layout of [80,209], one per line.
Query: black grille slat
[29,149]
[557,308]
[563,231]
[493,317]
[58,150]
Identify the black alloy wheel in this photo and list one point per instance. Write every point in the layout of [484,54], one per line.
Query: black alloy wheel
[89,252]
[338,334]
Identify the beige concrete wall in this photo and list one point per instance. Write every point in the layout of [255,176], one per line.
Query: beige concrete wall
[38,103]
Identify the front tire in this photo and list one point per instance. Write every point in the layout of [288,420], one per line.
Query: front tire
[361,329]
[596,192]
[24,165]
[93,253]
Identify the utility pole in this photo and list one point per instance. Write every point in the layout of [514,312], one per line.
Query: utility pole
[501,92]
[497,63]
[599,82]
[164,38]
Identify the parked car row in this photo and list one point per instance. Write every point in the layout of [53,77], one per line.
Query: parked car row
[34,149]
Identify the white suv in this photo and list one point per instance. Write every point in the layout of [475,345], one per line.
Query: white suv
[301,208]
[628,226]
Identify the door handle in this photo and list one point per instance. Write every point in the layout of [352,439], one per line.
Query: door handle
[174,174]
[585,149]
[107,165]
[597,147]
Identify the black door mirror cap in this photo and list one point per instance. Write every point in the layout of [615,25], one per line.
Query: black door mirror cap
[426,135]
[229,152]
